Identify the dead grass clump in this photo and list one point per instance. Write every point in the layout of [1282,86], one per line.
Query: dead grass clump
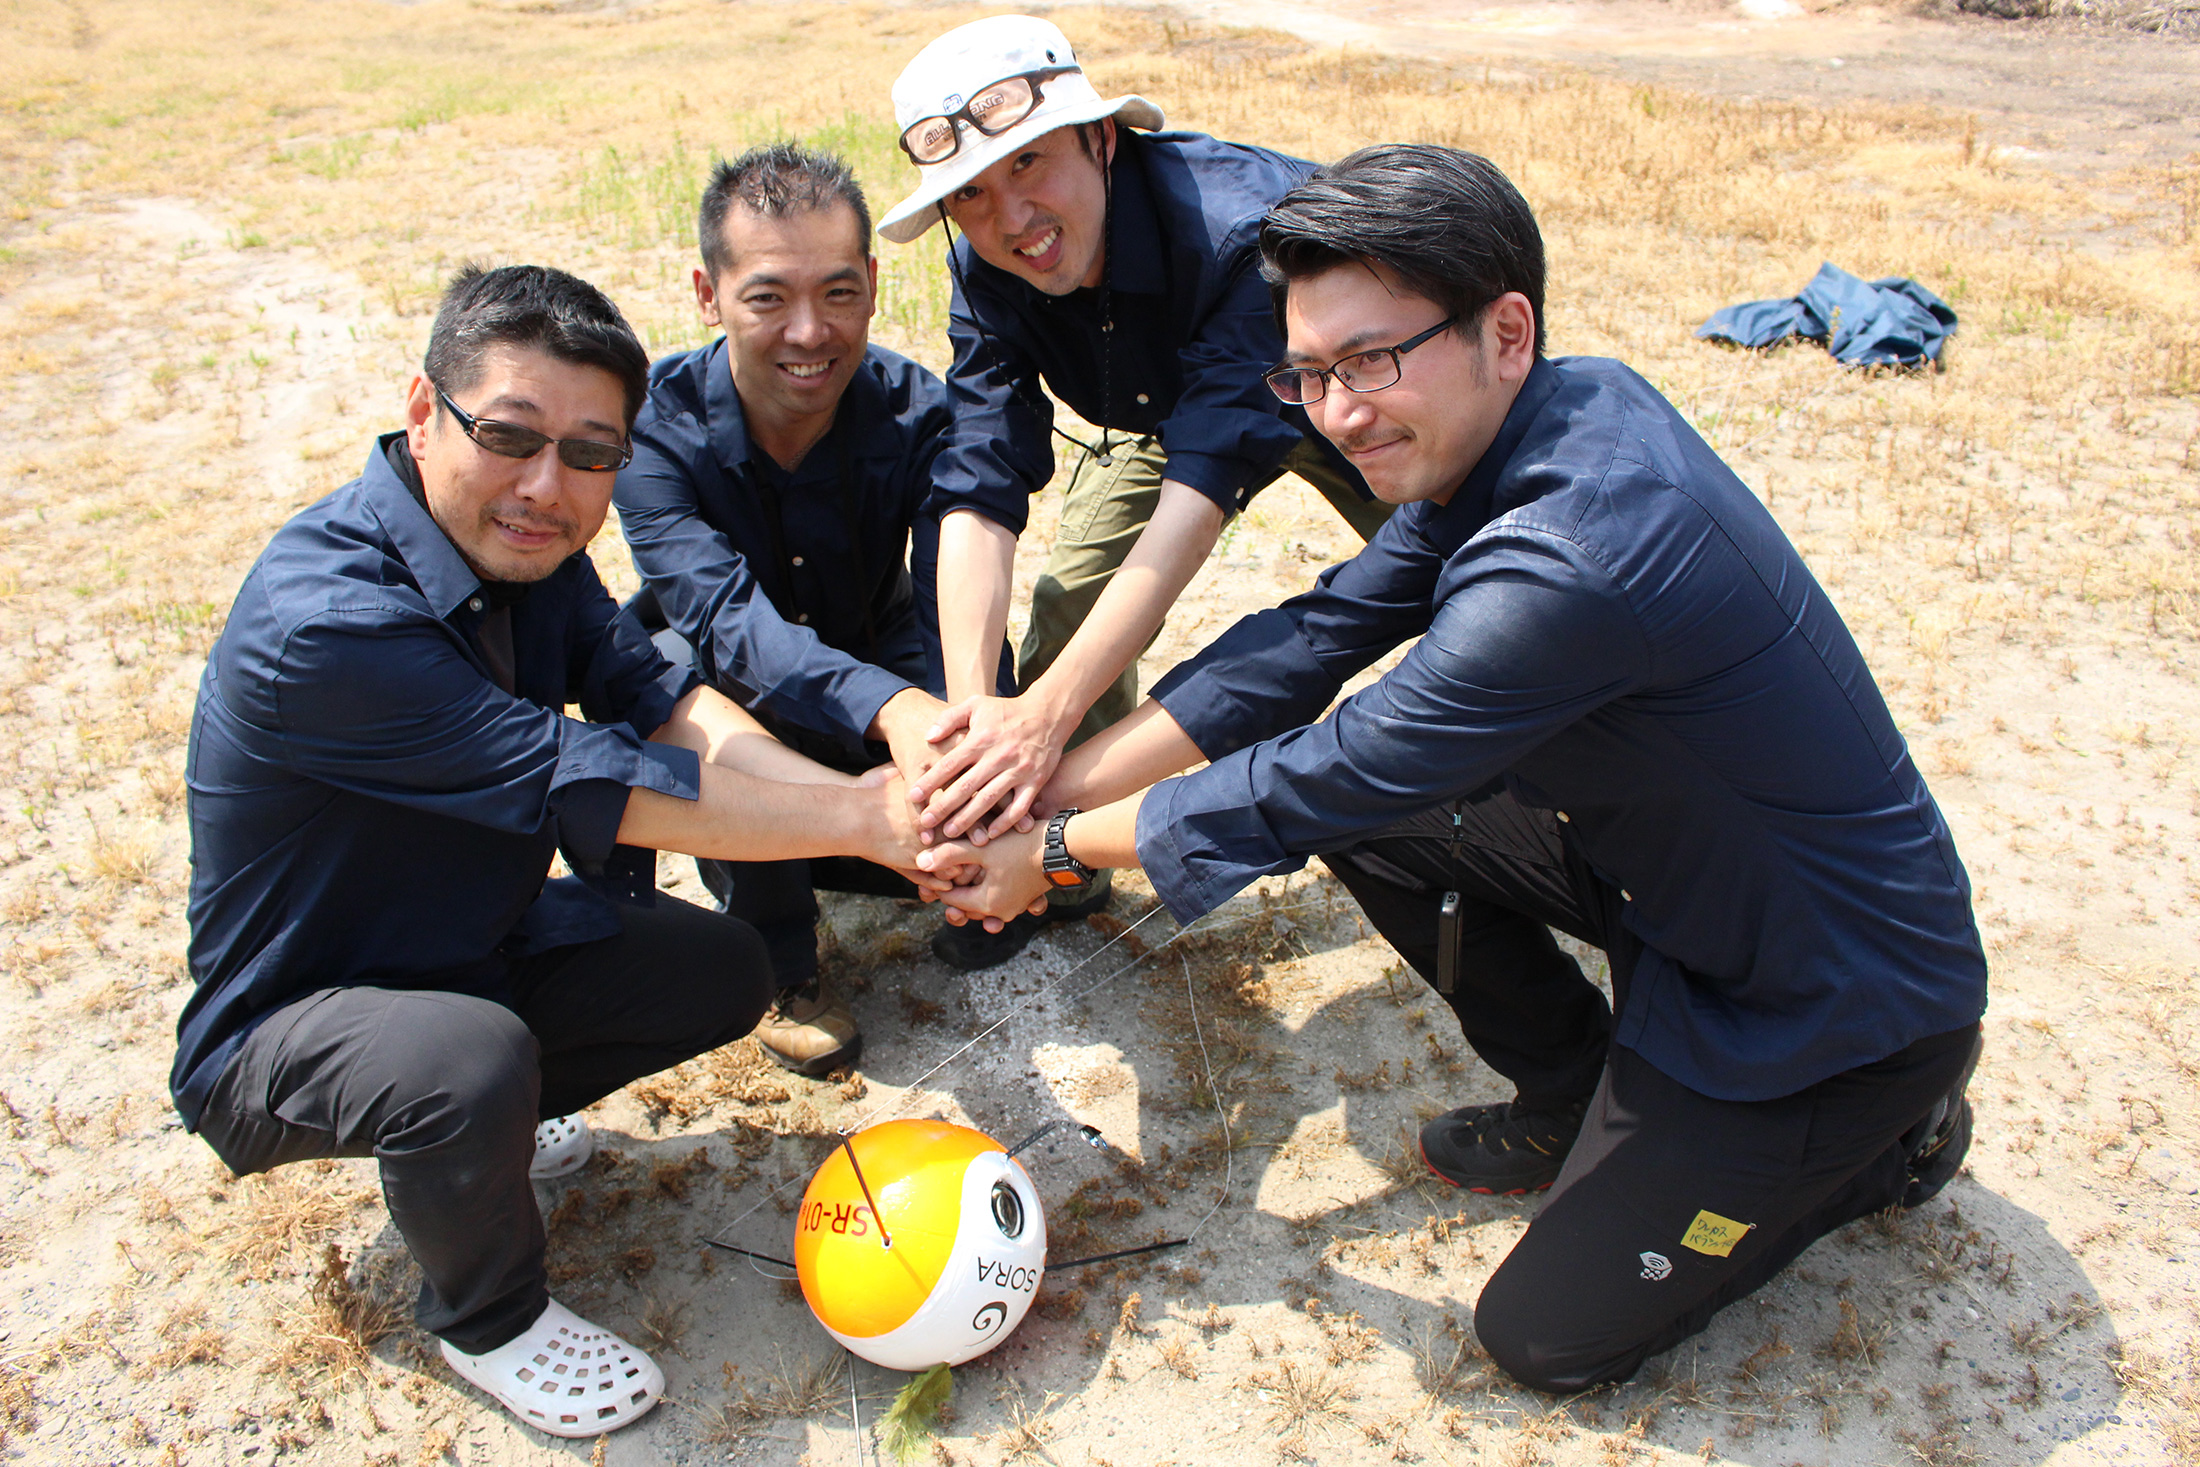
[125,862]
[737,1074]
[1301,1396]
[287,1215]
[329,1339]
[1852,1343]
[18,1400]
[674,1179]
[662,1324]
[800,1390]
[1025,1437]
[1443,1355]
[187,1338]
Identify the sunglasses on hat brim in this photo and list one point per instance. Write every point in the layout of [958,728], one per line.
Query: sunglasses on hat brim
[991,111]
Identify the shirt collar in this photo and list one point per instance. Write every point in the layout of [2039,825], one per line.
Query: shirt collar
[1451,525]
[862,411]
[441,572]
[728,428]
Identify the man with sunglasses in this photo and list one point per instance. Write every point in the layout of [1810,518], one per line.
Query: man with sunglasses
[776,510]
[1629,714]
[381,771]
[1118,272]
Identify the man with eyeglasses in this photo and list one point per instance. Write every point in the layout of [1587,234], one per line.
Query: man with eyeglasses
[382,769]
[776,510]
[1116,270]
[1628,714]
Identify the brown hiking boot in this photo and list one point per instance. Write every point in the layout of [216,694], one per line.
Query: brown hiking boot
[810,1030]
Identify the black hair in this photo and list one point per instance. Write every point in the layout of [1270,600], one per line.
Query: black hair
[774,180]
[1447,223]
[537,307]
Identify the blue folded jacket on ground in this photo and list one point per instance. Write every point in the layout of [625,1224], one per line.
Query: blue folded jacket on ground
[1877,323]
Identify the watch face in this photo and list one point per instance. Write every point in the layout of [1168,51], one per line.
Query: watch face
[1065,878]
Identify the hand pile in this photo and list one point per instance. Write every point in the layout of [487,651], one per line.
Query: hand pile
[976,784]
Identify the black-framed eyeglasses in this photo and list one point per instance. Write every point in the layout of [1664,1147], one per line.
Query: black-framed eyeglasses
[993,109]
[512,440]
[1367,371]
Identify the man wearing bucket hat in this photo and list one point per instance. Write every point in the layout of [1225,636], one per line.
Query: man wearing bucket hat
[1120,271]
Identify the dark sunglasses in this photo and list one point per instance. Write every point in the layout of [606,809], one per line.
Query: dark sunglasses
[1367,371]
[993,110]
[511,440]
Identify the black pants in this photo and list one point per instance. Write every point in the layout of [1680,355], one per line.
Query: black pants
[1672,1204]
[445,1089]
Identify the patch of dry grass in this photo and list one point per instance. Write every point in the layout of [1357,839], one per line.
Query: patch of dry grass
[287,1216]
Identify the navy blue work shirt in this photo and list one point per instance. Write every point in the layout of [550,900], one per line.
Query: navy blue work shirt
[368,806]
[1609,620]
[1194,331]
[807,595]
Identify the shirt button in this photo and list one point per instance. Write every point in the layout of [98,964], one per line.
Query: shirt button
[474,605]
[1625,895]
[1143,399]
[798,560]
[1565,817]
[803,620]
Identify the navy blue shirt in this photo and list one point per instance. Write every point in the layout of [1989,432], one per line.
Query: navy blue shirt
[795,590]
[1194,331]
[1609,620]
[368,806]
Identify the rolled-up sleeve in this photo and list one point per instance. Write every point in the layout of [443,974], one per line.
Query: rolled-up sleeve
[1535,636]
[996,456]
[1226,432]
[711,597]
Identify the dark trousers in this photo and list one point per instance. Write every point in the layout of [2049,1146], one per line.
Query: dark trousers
[1672,1204]
[776,897]
[445,1089]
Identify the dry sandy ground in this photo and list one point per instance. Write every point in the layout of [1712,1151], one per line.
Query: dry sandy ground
[1260,1075]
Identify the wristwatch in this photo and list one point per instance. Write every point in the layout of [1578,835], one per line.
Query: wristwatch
[1062,869]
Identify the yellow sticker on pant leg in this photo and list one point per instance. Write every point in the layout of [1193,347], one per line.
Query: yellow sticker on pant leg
[1713,1234]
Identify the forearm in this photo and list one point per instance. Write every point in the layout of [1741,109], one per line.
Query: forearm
[1169,552]
[1107,836]
[739,817]
[976,571]
[725,734]
[1147,746]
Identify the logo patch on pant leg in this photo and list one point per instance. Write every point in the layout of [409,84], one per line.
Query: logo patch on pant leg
[1713,1234]
[1656,1266]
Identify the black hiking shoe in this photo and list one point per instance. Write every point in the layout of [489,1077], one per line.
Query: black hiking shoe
[1504,1149]
[971,948]
[1944,1139]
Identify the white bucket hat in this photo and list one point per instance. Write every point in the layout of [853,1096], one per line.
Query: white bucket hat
[969,59]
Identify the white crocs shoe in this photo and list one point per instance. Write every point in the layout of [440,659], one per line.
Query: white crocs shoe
[563,1145]
[565,1376]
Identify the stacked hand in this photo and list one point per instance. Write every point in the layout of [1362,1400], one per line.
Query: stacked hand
[974,776]
[997,755]
[991,883]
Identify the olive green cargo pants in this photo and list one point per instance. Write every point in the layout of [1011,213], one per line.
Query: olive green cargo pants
[1103,511]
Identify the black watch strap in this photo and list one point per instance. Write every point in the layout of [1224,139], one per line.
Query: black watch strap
[1063,871]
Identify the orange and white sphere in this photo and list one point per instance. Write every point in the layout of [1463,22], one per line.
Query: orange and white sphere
[969,1245]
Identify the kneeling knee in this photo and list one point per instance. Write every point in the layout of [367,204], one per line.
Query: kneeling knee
[1524,1339]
